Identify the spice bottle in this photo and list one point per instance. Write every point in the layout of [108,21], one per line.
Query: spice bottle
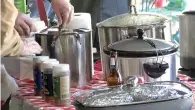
[114,77]
[42,70]
[61,84]
[48,79]
[37,73]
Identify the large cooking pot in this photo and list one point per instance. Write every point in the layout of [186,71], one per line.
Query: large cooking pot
[187,39]
[149,96]
[125,26]
[146,57]
[71,47]
[154,24]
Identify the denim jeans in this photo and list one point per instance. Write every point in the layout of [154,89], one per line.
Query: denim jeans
[110,8]
[100,10]
[35,13]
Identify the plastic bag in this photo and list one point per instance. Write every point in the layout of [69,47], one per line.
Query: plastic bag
[8,84]
[30,47]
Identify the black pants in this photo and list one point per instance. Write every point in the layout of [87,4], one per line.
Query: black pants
[6,104]
[92,7]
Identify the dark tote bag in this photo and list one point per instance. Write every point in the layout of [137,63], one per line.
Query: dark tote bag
[88,6]
[100,10]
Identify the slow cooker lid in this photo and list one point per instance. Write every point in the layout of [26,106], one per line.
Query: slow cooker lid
[133,19]
[141,47]
[189,12]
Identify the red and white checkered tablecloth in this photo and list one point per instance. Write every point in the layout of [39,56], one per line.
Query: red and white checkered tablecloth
[190,84]
[25,99]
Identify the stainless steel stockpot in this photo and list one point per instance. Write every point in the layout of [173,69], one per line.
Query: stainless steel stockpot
[73,48]
[187,39]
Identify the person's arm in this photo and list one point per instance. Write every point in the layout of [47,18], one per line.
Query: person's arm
[11,43]
[8,84]
[24,25]
[63,10]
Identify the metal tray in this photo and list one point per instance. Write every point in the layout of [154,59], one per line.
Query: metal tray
[140,94]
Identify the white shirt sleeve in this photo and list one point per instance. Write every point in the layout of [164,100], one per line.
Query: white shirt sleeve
[8,84]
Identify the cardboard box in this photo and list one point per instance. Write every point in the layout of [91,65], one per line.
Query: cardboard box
[19,67]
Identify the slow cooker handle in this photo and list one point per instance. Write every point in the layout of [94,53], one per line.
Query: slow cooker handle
[134,9]
[131,80]
[140,33]
[64,33]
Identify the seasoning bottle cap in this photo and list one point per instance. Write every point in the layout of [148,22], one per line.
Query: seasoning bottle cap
[61,68]
[112,61]
[40,58]
[47,61]
[52,59]
[48,64]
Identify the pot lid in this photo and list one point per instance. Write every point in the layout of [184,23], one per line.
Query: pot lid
[189,12]
[134,19]
[141,47]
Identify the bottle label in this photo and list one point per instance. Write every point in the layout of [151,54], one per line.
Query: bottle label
[37,79]
[48,82]
[112,63]
[112,66]
[42,81]
[61,87]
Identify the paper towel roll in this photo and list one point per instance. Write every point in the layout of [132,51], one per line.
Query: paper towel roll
[80,20]
[40,25]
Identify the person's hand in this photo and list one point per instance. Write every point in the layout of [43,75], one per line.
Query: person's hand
[63,10]
[24,25]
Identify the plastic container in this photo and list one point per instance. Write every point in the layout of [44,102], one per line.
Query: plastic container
[37,73]
[61,84]
[20,5]
[48,79]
